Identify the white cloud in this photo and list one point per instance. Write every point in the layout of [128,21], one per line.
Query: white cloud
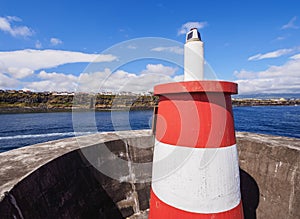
[105,80]
[125,81]
[187,26]
[48,85]
[53,82]
[13,18]
[55,41]
[57,76]
[179,78]
[6,26]
[38,44]
[243,74]
[291,24]
[172,49]
[19,73]
[7,82]
[276,79]
[159,69]
[42,59]
[297,56]
[144,82]
[273,54]
[93,81]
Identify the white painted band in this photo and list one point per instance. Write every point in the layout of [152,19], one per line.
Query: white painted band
[200,180]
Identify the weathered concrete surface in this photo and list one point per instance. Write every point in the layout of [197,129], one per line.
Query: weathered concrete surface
[60,179]
[274,163]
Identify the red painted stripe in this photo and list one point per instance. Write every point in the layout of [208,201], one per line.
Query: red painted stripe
[161,210]
[195,119]
[196,86]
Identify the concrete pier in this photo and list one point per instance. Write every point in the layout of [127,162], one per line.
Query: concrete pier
[56,180]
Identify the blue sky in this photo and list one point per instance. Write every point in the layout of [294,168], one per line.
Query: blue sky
[49,45]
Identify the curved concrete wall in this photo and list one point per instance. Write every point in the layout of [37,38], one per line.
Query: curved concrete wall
[60,179]
[56,180]
[274,164]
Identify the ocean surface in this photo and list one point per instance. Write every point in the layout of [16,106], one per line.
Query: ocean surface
[19,130]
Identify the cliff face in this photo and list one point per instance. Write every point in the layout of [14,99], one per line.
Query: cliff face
[34,102]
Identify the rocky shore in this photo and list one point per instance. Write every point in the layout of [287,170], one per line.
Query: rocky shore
[26,102]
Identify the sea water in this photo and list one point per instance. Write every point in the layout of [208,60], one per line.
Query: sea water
[19,130]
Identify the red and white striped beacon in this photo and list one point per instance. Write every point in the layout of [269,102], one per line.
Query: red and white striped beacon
[195,165]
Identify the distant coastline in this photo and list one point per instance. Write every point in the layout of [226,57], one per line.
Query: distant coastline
[265,102]
[26,102]
[30,102]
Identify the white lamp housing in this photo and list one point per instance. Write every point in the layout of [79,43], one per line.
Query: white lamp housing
[193,56]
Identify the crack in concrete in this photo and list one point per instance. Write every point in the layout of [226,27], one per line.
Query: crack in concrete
[14,203]
[134,195]
[292,195]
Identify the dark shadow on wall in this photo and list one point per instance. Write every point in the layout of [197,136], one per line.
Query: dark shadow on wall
[250,195]
[63,188]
